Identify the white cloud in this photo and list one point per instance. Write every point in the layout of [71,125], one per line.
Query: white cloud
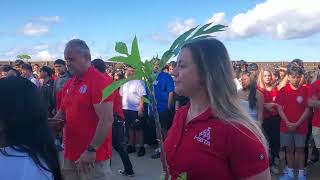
[44,55]
[49,19]
[178,27]
[217,18]
[41,47]
[280,19]
[159,38]
[31,29]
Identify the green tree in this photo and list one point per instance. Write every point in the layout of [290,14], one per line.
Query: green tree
[24,56]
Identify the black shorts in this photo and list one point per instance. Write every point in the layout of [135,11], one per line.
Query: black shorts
[166,118]
[132,120]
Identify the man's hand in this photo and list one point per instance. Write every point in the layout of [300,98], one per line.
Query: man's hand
[140,113]
[292,126]
[86,162]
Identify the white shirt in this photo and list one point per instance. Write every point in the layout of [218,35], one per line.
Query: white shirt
[131,93]
[20,168]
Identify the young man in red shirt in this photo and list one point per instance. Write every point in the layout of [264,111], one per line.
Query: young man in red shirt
[87,132]
[314,102]
[294,112]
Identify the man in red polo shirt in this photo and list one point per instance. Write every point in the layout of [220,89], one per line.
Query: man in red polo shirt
[314,102]
[87,133]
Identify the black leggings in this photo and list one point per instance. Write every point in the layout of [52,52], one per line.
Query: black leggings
[271,127]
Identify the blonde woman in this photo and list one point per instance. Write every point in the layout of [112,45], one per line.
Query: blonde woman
[212,137]
[271,118]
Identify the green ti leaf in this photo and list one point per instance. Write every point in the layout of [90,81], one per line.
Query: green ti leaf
[115,85]
[200,37]
[135,53]
[121,48]
[147,66]
[130,62]
[145,100]
[183,176]
[165,58]
[215,28]
[179,41]
[201,30]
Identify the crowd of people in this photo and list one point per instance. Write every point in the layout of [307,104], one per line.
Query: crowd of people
[219,119]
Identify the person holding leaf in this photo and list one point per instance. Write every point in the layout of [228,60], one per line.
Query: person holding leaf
[212,137]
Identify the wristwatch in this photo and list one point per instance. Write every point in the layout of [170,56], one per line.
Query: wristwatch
[91,149]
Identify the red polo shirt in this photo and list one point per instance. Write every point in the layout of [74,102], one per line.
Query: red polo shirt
[81,119]
[314,92]
[269,97]
[293,103]
[208,148]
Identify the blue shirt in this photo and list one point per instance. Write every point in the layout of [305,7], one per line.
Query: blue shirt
[162,87]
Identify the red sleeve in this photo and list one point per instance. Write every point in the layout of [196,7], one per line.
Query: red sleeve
[280,98]
[248,156]
[98,85]
[62,93]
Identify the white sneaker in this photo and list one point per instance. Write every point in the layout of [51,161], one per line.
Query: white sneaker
[285,177]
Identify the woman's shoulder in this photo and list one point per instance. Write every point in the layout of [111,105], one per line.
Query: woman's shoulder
[19,165]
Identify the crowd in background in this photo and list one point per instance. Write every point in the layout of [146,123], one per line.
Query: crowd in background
[264,94]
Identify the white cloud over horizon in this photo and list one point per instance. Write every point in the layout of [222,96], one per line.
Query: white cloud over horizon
[31,29]
[49,19]
[278,19]
[39,26]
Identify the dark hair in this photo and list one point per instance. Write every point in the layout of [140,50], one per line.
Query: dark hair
[26,67]
[5,68]
[294,69]
[252,98]
[99,64]
[299,62]
[59,61]
[18,62]
[37,65]
[25,124]
[47,70]
[253,67]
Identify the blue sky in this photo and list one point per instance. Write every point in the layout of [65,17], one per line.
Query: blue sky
[258,30]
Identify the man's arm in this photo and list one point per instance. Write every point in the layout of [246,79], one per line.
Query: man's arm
[283,82]
[170,100]
[104,112]
[314,103]
[140,110]
[306,115]
[282,114]
[60,115]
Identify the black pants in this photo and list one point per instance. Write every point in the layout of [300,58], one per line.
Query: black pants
[119,146]
[271,127]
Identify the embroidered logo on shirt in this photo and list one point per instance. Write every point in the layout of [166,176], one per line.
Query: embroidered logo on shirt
[83,89]
[261,157]
[299,99]
[204,136]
